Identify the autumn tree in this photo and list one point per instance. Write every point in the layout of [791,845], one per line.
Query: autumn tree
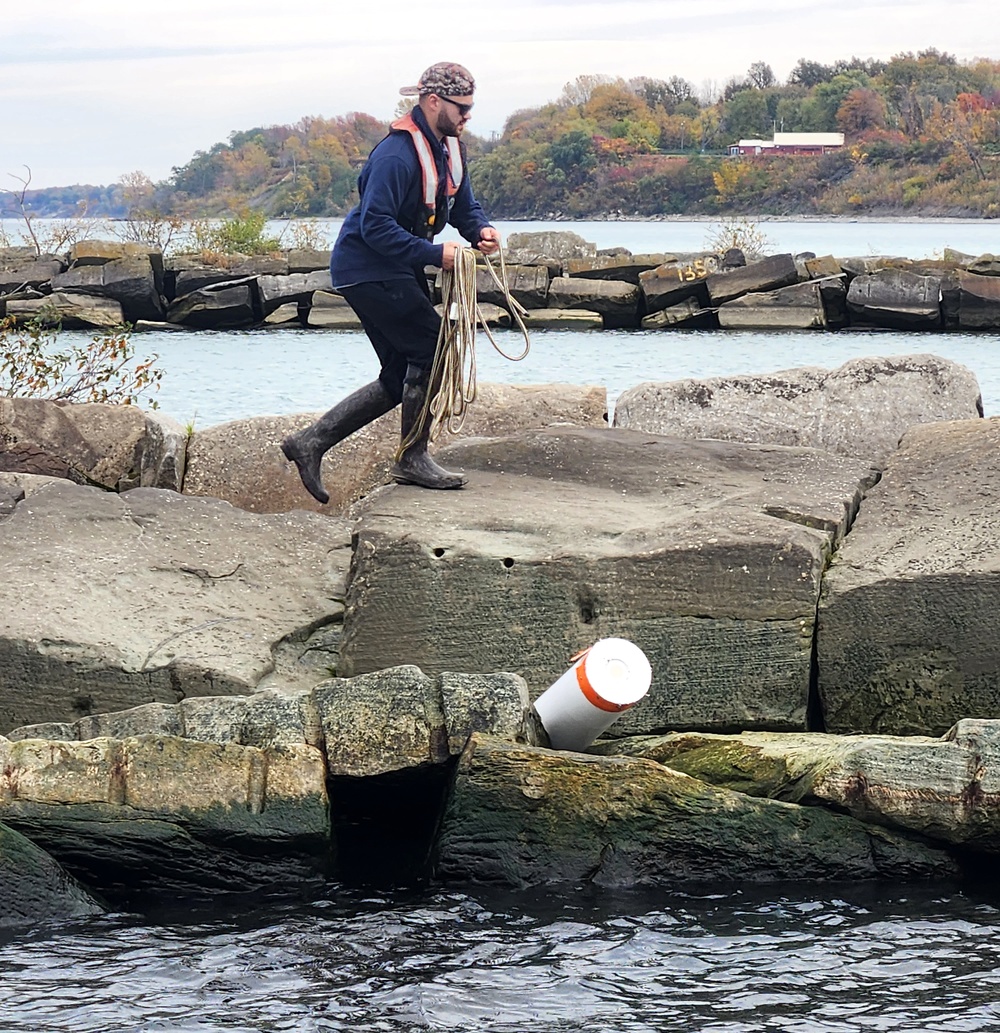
[860,111]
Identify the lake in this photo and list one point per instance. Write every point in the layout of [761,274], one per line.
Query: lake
[787,959]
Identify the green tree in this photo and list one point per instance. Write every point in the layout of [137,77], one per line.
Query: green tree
[746,115]
[811,73]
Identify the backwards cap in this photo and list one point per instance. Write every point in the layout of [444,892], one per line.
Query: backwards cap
[446,79]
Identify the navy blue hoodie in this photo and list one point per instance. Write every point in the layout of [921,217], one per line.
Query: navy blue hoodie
[375,242]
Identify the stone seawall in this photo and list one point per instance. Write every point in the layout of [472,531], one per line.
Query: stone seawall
[209,683]
[562,280]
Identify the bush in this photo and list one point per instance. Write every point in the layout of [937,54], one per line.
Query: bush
[240,235]
[744,234]
[34,365]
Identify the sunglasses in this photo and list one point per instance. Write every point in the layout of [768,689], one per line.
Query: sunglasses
[463,109]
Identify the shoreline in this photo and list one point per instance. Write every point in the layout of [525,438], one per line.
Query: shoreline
[806,218]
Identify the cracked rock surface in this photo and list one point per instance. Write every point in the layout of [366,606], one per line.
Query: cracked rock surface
[709,555]
[110,601]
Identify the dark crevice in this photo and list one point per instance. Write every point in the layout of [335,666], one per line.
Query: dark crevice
[385,825]
[815,720]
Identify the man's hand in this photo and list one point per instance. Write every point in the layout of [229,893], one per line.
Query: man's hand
[449,249]
[489,241]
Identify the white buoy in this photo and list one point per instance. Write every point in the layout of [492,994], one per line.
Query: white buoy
[602,684]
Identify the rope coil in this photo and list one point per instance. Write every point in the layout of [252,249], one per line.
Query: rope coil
[453,374]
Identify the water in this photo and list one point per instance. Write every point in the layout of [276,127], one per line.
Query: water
[215,377]
[784,958]
[843,237]
[796,960]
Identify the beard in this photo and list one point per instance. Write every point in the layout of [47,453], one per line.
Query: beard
[447,125]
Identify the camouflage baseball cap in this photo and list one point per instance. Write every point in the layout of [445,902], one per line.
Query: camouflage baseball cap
[446,79]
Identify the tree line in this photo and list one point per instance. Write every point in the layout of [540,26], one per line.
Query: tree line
[922,136]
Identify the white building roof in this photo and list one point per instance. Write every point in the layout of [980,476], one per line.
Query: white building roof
[808,139]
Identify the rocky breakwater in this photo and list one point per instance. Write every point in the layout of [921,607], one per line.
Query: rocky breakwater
[560,278]
[321,696]
[219,795]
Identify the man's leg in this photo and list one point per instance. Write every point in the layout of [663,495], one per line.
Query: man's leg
[401,322]
[307,448]
[414,464]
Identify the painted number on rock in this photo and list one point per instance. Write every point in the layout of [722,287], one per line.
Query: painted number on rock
[698,269]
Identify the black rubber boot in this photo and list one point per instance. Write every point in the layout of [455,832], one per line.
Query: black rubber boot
[307,448]
[415,466]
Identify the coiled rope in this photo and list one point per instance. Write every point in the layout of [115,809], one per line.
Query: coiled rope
[453,373]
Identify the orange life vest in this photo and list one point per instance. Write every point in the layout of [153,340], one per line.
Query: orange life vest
[433,220]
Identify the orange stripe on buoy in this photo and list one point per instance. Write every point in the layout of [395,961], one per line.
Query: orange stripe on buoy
[590,693]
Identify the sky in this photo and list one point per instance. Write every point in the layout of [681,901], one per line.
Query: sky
[92,91]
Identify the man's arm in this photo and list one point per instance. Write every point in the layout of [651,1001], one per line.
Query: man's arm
[468,217]
[384,196]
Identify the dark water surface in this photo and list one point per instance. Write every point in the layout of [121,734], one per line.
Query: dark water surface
[796,959]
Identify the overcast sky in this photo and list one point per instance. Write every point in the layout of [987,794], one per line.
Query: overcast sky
[92,90]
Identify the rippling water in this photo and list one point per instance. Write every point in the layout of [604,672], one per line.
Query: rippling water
[806,961]
[213,377]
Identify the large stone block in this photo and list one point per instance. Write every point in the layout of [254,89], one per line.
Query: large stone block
[131,282]
[111,601]
[696,551]
[114,446]
[215,788]
[550,249]
[298,287]
[907,641]
[528,817]
[944,788]
[528,285]
[768,274]
[978,302]
[798,307]
[985,265]
[862,408]
[70,311]
[897,299]
[672,282]
[242,463]
[384,721]
[224,306]
[615,300]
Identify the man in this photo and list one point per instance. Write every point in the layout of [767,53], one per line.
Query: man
[413,183]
